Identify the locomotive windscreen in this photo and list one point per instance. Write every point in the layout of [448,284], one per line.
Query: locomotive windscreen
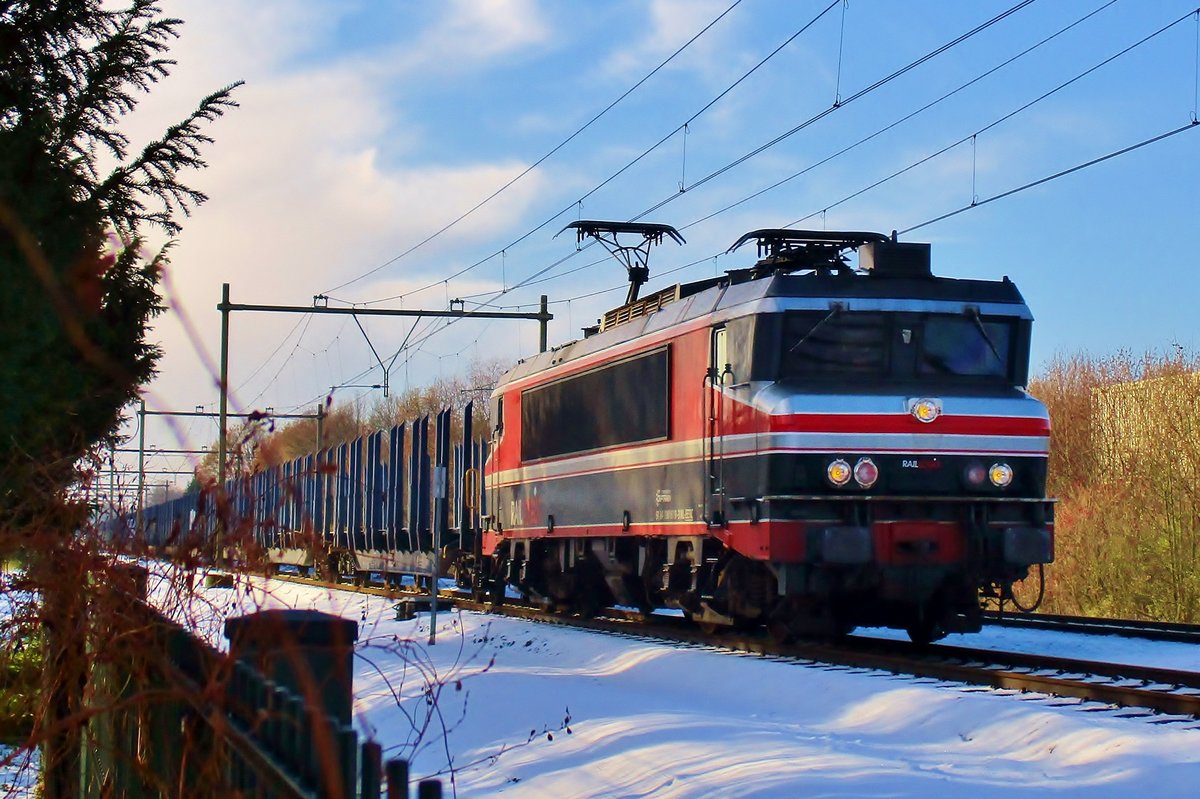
[954,345]
[901,346]
[836,343]
[621,403]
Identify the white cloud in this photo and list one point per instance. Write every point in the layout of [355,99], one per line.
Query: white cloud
[468,34]
[301,195]
[671,23]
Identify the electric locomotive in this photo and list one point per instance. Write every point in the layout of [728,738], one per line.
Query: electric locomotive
[797,444]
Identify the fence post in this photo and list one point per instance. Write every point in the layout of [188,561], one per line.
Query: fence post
[397,779]
[372,770]
[305,651]
[310,654]
[110,738]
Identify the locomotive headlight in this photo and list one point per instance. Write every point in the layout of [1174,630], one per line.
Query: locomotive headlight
[866,472]
[1001,474]
[925,410]
[838,472]
[975,474]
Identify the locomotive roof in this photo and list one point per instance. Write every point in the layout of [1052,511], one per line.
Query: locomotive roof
[740,293]
[927,288]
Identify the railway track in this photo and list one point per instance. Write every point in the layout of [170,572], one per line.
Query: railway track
[1129,628]
[1160,690]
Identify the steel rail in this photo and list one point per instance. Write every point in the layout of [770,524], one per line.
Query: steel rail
[1127,628]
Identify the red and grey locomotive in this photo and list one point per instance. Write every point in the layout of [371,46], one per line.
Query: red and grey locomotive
[798,444]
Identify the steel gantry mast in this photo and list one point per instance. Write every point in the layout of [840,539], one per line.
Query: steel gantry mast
[226,307]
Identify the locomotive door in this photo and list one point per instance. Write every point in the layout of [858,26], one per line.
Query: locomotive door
[716,411]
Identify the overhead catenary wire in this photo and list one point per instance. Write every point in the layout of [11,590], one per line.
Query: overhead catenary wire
[1191,125]
[761,148]
[1196,68]
[837,82]
[911,115]
[940,99]
[578,203]
[274,352]
[306,319]
[548,155]
[980,202]
[861,93]
[999,120]
[627,166]
[838,105]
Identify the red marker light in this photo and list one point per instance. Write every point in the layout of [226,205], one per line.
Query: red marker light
[866,472]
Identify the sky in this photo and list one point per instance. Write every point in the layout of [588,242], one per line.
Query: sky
[367,129]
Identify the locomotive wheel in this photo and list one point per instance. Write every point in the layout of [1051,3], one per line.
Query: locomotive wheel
[586,605]
[589,583]
[925,631]
[780,632]
[795,618]
[705,624]
[713,622]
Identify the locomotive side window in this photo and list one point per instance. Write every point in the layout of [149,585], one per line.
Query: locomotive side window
[964,346]
[621,403]
[498,418]
[720,350]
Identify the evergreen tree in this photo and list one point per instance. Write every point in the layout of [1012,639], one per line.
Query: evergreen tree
[74,310]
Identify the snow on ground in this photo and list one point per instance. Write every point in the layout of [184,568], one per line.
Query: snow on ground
[534,710]
[19,771]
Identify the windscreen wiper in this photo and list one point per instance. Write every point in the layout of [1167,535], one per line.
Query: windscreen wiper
[973,314]
[835,308]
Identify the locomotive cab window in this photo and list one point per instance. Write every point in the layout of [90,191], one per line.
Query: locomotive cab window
[835,343]
[965,346]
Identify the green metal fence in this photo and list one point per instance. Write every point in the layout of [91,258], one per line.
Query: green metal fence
[269,719]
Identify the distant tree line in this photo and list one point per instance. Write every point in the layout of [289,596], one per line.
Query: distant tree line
[259,444]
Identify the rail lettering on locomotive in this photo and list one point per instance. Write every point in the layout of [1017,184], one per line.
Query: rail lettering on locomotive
[797,444]
[674,515]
